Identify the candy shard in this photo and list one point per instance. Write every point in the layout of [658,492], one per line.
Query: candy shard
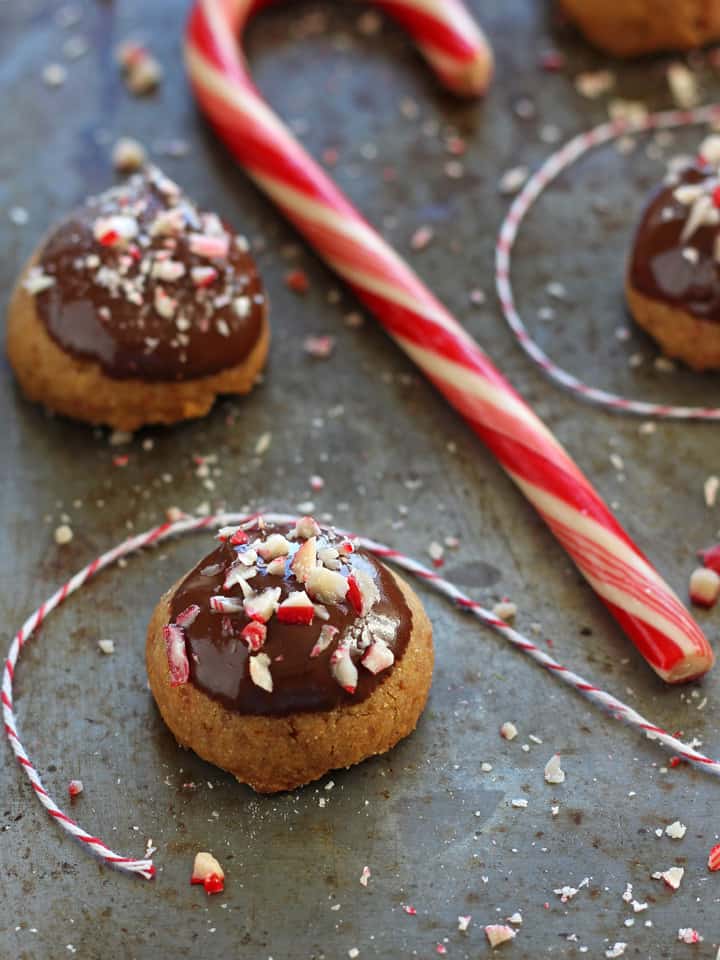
[508,730]
[305,560]
[75,788]
[714,858]
[704,587]
[378,657]
[363,593]
[296,608]
[327,586]
[262,606]
[498,933]
[554,773]
[343,669]
[327,635]
[306,527]
[220,604]
[188,616]
[672,877]
[276,545]
[254,634]
[208,872]
[174,637]
[260,672]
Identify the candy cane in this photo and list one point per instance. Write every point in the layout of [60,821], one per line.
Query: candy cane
[144,867]
[647,609]
[555,164]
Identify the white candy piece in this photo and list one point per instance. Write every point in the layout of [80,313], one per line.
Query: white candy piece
[275,546]
[710,149]
[379,657]
[672,877]
[676,830]
[260,672]
[262,606]
[498,933]
[327,635]
[508,731]
[344,670]
[206,866]
[36,281]
[225,604]
[306,527]
[704,587]
[553,771]
[128,155]
[326,586]
[305,560]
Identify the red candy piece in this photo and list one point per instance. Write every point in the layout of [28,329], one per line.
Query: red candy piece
[354,595]
[213,884]
[109,238]
[238,538]
[711,556]
[297,281]
[296,614]
[716,196]
[714,858]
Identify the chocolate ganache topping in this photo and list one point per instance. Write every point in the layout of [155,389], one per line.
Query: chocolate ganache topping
[676,253]
[282,619]
[141,282]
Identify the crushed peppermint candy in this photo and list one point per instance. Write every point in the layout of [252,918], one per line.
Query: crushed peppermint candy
[689,935]
[617,950]
[319,347]
[365,876]
[554,773]
[315,570]
[106,646]
[75,788]
[498,933]
[508,730]
[128,155]
[672,877]
[676,830]
[207,871]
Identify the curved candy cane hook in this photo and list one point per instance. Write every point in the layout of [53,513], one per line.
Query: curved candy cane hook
[645,607]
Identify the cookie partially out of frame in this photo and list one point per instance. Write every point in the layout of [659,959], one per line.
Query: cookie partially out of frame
[673,277]
[286,653]
[138,308]
[630,28]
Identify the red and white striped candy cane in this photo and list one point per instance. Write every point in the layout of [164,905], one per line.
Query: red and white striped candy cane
[144,867]
[554,165]
[647,609]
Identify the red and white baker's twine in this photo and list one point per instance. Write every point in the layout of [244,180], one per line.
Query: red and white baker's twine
[555,164]
[144,867]
[646,608]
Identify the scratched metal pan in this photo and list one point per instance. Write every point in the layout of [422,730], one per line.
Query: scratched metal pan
[439,833]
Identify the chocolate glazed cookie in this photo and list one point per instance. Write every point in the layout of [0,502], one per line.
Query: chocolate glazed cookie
[673,278]
[138,308]
[286,653]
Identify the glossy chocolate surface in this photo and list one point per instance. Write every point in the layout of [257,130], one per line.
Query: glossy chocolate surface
[682,273]
[150,305]
[219,658]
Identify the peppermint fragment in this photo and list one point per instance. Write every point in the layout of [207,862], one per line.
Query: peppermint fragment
[178,664]
[260,672]
[208,872]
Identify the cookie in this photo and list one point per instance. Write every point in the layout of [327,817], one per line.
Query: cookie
[673,276]
[138,308]
[286,653]
[630,28]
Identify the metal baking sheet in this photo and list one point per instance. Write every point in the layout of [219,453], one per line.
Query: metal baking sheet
[437,832]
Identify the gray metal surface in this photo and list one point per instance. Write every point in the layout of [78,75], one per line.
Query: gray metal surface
[437,832]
